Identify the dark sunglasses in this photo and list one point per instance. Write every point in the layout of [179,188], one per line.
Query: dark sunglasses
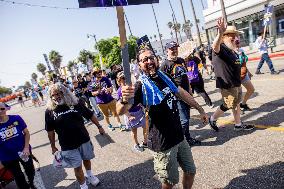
[2,109]
[146,58]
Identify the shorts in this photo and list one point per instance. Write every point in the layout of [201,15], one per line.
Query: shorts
[231,97]
[109,106]
[74,158]
[246,79]
[166,163]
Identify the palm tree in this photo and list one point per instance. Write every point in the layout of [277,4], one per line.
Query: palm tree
[70,66]
[151,38]
[176,28]
[55,59]
[28,84]
[34,76]
[41,68]
[170,25]
[186,28]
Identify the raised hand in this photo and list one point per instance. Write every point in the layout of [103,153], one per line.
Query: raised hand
[222,26]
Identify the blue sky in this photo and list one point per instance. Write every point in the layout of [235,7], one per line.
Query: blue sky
[28,32]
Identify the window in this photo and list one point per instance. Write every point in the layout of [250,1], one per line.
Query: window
[281,25]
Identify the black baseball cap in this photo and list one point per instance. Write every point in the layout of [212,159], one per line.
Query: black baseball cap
[172,44]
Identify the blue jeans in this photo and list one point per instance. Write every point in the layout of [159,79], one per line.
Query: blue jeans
[184,118]
[265,57]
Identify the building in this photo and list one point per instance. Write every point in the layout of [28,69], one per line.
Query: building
[247,16]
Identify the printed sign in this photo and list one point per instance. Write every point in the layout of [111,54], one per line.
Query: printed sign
[267,20]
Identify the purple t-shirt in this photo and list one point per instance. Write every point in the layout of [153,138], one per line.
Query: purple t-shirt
[133,108]
[103,97]
[12,138]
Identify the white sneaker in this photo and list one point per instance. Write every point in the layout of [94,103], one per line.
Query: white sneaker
[93,180]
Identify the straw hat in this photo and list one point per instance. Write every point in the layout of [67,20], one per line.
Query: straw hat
[232,29]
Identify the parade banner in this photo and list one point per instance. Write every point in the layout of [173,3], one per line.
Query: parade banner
[113,3]
[267,20]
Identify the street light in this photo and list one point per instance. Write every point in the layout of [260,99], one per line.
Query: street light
[89,36]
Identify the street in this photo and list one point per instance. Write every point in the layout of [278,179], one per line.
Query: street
[227,159]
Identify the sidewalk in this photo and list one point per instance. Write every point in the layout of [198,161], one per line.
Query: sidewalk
[255,55]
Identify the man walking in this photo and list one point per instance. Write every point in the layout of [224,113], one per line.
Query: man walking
[175,67]
[64,115]
[227,69]
[262,46]
[159,93]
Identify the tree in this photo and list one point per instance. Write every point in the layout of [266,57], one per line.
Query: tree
[34,76]
[186,28]
[55,59]
[70,66]
[176,28]
[170,25]
[28,84]
[41,68]
[84,55]
[4,91]
[111,52]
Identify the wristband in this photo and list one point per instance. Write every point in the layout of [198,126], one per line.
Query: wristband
[99,126]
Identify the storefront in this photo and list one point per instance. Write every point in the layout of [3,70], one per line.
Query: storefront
[249,24]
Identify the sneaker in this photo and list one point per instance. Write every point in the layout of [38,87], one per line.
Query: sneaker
[122,128]
[138,148]
[258,72]
[245,107]
[213,125]
[193,142]
[246,127]
[275,72]
[93,180]
[110,127]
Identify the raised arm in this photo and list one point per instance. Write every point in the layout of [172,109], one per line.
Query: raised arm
[222,26]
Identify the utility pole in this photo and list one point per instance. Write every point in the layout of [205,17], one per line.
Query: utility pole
[196,24]
[175,19]
[158,28]
[184,18]
[223,11]
[101,60]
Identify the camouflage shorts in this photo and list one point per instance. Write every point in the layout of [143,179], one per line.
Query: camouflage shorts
[231,97]
[166,163]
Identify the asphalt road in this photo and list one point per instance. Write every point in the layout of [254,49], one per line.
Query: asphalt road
[227,159]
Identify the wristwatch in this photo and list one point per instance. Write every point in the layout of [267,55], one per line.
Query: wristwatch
[99,126]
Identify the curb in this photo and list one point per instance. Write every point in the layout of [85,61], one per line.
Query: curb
[272,55]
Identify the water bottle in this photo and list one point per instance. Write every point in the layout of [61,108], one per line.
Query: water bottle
[23,157]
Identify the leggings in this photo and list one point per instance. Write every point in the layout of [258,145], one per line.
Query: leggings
[14,167]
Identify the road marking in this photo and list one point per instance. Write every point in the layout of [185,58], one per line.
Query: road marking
[226,122]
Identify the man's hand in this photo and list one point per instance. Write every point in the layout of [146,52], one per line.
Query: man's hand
[204,118]
[101,131]
[26,151]
[127,92]
[222,26]
[54,149]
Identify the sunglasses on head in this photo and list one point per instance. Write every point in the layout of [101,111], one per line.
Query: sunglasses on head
[146,58]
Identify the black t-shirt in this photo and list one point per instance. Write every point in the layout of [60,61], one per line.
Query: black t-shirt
[227,68]
[68,123]
[78,91]
[165,129]
[176,69]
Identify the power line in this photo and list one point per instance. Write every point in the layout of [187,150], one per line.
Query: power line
[42,6]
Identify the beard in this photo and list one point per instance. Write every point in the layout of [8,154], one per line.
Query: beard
[230,45]
[59,102]
[173,57]
[151,69]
